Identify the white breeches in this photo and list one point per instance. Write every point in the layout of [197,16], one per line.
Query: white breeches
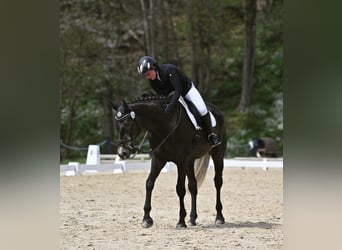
[195,97]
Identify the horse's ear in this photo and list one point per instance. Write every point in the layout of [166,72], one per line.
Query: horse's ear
[115,106]
[124,104]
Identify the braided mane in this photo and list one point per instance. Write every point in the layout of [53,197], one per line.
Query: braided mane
[150,98]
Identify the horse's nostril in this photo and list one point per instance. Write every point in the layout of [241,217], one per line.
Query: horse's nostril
[123,155]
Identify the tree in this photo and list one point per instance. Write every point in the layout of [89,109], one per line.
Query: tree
[200,19]
[148,17]
[250,13]
[169,50]
[108,119]
[94,39]
[212,41]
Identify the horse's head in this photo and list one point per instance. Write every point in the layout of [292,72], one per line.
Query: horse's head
[127,129]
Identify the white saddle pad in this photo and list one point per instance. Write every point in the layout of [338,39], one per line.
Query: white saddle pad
[192,117]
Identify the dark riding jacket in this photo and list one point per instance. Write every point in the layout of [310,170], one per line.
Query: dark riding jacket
[170,78]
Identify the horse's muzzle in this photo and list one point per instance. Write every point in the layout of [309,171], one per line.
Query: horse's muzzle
[126,151]
[123,153]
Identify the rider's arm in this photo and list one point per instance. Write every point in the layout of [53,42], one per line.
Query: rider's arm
[177,85]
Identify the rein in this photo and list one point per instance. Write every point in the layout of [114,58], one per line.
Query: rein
[141,143]
[171,132]
[131,115]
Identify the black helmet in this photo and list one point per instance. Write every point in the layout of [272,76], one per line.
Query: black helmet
[145,64]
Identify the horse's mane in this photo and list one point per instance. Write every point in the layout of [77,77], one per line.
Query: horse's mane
[150,98]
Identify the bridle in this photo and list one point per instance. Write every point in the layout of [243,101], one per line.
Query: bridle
[119,117]
[130,145]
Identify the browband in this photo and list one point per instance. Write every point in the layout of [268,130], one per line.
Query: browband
[119,116]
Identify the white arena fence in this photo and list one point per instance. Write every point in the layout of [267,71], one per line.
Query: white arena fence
[97,163]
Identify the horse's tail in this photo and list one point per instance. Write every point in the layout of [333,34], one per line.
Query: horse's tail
[201,167]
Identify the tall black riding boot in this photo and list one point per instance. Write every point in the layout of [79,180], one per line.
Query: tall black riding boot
[206,124]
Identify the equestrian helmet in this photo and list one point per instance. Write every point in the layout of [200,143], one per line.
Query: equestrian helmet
[145,64]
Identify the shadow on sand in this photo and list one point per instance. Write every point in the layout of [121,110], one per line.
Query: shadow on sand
[247,224]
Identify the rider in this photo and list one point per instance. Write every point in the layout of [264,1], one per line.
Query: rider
[166,78]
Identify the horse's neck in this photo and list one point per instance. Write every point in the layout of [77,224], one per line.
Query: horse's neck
[151,117]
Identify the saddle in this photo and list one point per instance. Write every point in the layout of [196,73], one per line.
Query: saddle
[193,113]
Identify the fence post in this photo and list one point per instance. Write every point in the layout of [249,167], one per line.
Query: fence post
[93,156]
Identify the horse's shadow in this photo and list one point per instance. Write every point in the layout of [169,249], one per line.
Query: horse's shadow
[246,224]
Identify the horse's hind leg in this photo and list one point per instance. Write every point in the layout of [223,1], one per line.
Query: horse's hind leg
[180,189]
[217,157]
[192,184]
[156,167]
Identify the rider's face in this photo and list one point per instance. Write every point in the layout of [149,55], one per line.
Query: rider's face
[151,74]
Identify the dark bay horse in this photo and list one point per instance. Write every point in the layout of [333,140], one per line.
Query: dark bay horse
[172,138]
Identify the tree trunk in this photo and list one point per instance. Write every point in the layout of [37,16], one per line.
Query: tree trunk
[250,10]
[164,7]
[200,37]
[70,120]
[205,48]
[148,23]
[151,28]
[108,118]
[193,39]
[68,133]
[145,25]
[170,51]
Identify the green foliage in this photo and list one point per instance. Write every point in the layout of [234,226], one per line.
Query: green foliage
[265,117]
[259,121]
[101,42]
[87,121]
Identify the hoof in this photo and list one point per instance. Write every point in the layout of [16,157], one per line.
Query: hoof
[219,221]
[181,225]
[192,223]
[147,223]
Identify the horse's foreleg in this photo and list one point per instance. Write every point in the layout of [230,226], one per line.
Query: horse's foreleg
[156,167]
[193,191]
[180,188]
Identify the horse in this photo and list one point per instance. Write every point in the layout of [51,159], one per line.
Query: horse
[172,138]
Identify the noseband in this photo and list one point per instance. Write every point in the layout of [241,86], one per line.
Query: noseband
[130,115]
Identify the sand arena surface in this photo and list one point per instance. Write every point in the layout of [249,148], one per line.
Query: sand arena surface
[105,212]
